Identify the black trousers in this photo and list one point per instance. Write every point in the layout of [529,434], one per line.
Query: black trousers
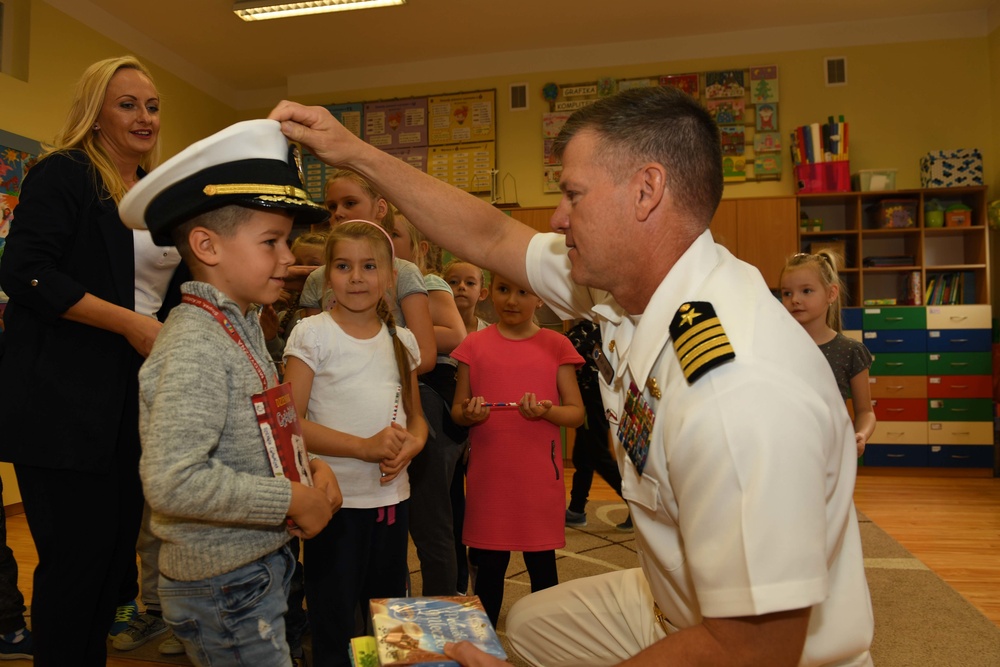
[591,453]
[11,600]
[358,556]
[82,563]
[431,474]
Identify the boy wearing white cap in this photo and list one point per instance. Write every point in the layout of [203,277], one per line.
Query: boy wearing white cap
[227,203]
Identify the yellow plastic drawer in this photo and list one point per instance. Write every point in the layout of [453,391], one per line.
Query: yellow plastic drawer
[898,386]
[900,433]
[959,433]
[959,317]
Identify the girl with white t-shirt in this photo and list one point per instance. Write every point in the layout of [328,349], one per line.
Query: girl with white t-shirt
[353,377]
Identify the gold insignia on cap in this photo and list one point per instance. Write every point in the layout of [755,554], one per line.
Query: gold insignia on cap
[699,339]
[257,189]
[654,388]
[611,346]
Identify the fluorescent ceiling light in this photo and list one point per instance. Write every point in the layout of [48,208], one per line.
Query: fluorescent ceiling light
[259,10]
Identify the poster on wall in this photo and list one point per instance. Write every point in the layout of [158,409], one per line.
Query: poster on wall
[416,157]
[17,155]
[687,83]
[726,83]
[462,118]
[764,84]
[396,123]
[350,116]
[468,167]
[314,174]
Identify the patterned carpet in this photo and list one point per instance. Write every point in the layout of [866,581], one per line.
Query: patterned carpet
[920,621]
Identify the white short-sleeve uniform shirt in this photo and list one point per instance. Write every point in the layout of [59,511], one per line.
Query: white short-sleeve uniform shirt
[745,505]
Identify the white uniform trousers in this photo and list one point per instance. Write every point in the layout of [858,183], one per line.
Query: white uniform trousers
[599,620]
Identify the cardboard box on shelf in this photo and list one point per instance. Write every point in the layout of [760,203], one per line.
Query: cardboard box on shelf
[962,167]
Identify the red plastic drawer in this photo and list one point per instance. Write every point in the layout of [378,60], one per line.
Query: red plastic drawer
[900,409]
[959,386]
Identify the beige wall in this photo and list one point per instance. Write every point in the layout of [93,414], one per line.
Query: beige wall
[902,101]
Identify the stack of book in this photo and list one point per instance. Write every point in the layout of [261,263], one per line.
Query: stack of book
[950,288]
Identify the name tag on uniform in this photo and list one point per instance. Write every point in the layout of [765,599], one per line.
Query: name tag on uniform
[636,427]
[603,365]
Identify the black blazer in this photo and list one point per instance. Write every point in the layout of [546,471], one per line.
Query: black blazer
[67,390]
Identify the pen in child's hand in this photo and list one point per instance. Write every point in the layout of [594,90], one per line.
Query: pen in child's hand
[500,405]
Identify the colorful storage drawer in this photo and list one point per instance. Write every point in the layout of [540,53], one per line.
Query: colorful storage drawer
[900,409]
[888,363]
[959,340]
[896,340]
[960,433]
[960,363]
[896,456]
[900,433]
[898,386]
[897,317]
[960,409]
[852,318]
[959,317]
[960,386]
[958,456]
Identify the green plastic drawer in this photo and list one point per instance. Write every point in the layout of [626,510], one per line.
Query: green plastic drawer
[960,409]
[960,363]
[899,363]
[894,317]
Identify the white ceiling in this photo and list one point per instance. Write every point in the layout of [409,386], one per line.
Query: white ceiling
[244,63]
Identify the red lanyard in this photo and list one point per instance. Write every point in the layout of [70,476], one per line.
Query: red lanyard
[230,329]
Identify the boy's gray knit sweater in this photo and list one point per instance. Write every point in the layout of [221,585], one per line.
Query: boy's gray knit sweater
[216,504]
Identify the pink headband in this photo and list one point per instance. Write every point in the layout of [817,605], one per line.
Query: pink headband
[392,248]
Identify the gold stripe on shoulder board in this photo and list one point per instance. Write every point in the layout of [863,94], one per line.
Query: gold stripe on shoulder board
[699,339]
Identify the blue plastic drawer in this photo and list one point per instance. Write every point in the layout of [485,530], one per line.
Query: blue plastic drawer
[895,340]
[957,456]
[897,456]
[959,340]
[851,318]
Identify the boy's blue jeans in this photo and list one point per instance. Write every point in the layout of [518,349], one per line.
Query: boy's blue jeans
[237,618]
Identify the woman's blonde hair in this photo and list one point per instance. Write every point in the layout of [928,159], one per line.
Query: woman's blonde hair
[77,132]
[825,262]
[382,250]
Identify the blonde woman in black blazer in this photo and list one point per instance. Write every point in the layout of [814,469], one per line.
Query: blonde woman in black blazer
[69,360]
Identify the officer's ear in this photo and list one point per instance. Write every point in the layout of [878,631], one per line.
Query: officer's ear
[650,188]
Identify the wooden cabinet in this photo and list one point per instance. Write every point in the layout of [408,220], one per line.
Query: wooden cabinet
[762,232]
[535,217]
[881,262]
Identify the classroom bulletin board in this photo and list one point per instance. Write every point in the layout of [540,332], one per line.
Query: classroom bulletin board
[743,103]
[450,136]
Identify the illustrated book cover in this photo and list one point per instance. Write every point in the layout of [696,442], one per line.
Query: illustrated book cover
[413,631]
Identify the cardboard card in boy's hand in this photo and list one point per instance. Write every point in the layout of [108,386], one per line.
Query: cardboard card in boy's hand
[282,431]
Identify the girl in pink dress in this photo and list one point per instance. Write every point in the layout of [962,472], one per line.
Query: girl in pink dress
[516,388]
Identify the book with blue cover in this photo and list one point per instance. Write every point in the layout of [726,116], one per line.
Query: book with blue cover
[413,631]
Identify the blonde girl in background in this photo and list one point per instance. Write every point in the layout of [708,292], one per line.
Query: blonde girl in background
[516,387]
[432,472]
[353,376]
[468,283]
[810,290]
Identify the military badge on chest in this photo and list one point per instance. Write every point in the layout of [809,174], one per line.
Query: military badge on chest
[636,427]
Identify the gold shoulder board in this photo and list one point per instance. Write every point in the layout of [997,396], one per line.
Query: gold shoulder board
[699,339]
